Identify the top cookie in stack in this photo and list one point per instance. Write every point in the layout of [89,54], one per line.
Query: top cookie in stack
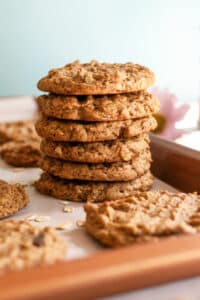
[94,127]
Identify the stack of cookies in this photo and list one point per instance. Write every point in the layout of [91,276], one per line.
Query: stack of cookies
[94,128]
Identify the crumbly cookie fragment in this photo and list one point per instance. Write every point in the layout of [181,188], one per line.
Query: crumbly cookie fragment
[12,198]
[143,216]
[21,154]
[23,245]
[99,152]
[96,78]
[69,131]
[99,108]
[120,171]
[75,190]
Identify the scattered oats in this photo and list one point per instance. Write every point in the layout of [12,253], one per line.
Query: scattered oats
[68,209]
[41,219]
[65,226]
[18,169]
[63,202]
[58,150]
[80,223]
[30,218]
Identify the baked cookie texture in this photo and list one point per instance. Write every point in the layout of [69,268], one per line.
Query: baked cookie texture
[94,124]
[21,154]
[23,245]
[97,152]
[76,190]
[143,216]
[99,108]
[12,198]
[120,171]
[96,78]
[69,131]
[18,131]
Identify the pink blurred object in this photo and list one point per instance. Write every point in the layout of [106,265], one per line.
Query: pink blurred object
[169,114]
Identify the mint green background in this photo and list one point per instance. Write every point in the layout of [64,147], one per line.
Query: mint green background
[36,35]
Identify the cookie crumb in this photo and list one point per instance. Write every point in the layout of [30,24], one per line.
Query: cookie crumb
[65,226]
[63,202]
[41,219]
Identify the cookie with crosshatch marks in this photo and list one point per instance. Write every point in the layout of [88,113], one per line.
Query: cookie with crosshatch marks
[99,108]
[143,216]
[12,198]
[75,190]
[23,245]
[74,131]
[99,152]
[120,171]
[96,78]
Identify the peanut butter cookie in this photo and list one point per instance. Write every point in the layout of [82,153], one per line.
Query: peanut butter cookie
[143,216]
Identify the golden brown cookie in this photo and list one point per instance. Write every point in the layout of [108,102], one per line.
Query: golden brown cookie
[99,152]
[142,217]
[76,190]
[96,78]
[18,131]
[12,198]
[72,131]
[120,171]
[21,154]
[99,108]
[23,245]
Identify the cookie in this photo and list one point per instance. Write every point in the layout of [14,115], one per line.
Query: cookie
[23,245]
[99,152]
[96,78]
[12,198]
[142,217]
[72,131]
[18,131]
[21,154]
[99,108]
[120,171]
[75,190]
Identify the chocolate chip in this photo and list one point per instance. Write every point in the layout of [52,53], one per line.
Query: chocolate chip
[39,240]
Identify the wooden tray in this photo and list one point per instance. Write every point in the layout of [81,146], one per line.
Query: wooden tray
[123,269]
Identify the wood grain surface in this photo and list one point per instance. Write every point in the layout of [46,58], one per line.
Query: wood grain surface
[123,269]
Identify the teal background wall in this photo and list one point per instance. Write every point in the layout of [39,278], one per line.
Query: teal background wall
[36,35]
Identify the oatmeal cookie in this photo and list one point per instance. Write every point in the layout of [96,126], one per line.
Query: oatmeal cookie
[96,78]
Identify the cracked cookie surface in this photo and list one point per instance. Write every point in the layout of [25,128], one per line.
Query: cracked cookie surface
[120,171]
[75,190]
[143,216]
[12,198]
[96,78]
[74,131]
[22,245]
[99,152]
[99,108]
